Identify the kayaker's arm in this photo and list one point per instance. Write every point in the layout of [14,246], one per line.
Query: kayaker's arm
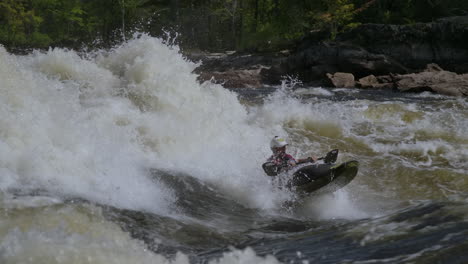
[308,159]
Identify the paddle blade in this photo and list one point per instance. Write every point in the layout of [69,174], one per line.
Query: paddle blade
[270,168]
[331,156]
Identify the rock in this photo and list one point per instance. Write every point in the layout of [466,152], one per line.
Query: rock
[390,85]
[368,82]
[415,45]
[223,62]
[381,82]
[387,52]
[239,70]
[342,80]
[380,49]
[441,82]
[385,79]
[432,67]
[313,62]
[234,78]
[449,89]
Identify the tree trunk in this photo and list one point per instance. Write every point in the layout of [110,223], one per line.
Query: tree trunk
[276,7]
[233,22]
[255,23]
[240,26]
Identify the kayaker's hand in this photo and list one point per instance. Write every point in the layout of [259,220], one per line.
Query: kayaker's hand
[313,159]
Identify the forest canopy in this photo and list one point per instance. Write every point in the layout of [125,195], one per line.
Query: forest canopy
[259,25]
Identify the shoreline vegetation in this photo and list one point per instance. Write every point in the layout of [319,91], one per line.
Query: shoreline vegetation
[381,44]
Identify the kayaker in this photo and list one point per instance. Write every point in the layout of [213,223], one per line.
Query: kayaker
[282,160]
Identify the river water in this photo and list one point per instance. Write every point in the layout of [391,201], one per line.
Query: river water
[121,156]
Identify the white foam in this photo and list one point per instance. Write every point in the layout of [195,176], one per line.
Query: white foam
[60,130]
[246,256]
[338,205]
[314,91]
[93,127]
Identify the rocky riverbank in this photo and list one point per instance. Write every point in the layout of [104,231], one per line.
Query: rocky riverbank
[433,79]
[410,58]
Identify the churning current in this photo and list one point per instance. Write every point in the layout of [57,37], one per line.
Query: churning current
[122,156]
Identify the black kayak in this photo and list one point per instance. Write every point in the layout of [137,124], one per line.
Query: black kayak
[323,178]
[318,178]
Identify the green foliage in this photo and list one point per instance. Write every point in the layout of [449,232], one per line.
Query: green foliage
[261,25]
[17,22]
[337,16]
[40,40]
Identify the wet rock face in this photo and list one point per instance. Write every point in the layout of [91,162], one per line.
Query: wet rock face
[318,59]
[234,78]
[375,49]
[443,42]
[239,70]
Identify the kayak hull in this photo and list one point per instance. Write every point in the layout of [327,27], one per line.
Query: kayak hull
[323,178]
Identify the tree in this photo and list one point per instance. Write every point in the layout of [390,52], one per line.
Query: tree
[338,15]
[19,24]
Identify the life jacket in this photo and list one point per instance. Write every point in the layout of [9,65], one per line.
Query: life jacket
[278,163]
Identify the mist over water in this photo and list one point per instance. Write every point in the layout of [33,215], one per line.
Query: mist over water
[132,129]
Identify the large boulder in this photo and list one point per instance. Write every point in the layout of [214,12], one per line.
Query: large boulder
[342,80]
[368,82]
[438,81]
[371,81]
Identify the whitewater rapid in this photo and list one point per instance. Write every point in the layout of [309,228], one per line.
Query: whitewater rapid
[93,127]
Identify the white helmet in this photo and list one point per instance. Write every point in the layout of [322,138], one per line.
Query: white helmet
[278,142]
